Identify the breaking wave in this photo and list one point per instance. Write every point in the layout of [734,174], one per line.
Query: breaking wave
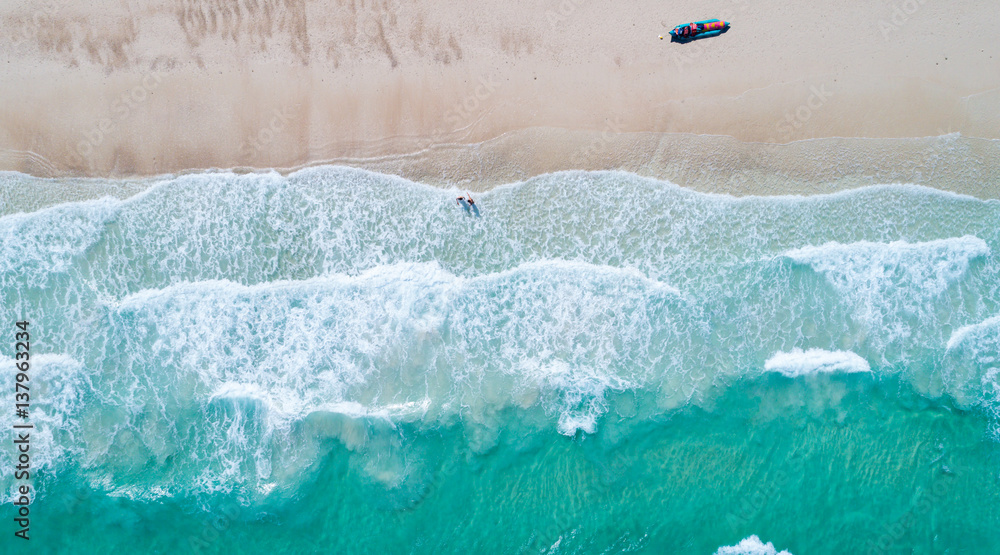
[232,328]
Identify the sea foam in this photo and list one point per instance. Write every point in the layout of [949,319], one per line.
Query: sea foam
[989,327]
[751,546]
[59,386]
[813,361]
[895,289]
[230,324]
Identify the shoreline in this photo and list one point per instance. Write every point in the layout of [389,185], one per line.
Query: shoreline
[705,164]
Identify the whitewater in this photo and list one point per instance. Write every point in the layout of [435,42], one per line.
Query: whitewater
[340,361]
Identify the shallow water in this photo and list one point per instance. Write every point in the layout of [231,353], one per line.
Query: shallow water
[340,361]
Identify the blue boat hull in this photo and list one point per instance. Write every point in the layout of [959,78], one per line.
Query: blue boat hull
[716,28]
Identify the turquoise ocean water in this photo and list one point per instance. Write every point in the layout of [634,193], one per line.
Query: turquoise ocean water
[345,362]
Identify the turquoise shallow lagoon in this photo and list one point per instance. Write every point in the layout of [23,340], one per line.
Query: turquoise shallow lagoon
[345,362]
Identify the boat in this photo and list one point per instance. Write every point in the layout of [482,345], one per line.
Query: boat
[699,29]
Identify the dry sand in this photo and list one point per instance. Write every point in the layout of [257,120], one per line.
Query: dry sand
[490,91]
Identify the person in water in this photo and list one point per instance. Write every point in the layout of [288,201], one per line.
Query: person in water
[469,200]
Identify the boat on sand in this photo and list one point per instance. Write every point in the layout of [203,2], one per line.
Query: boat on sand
[699,29]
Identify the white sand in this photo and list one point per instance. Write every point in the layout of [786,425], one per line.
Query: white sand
[143,88]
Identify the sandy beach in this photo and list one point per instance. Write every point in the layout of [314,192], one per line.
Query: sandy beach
[488,92]
[438,277]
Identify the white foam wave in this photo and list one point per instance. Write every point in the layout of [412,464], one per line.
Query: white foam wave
[314,301]
[865,266]
[895,288]
[58,387]
[844,194]
[801,363]
[988,326]
[265,363]
[990,384]
[423,274]
[560,301]
[969,366]
[751,546]
[46,241]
